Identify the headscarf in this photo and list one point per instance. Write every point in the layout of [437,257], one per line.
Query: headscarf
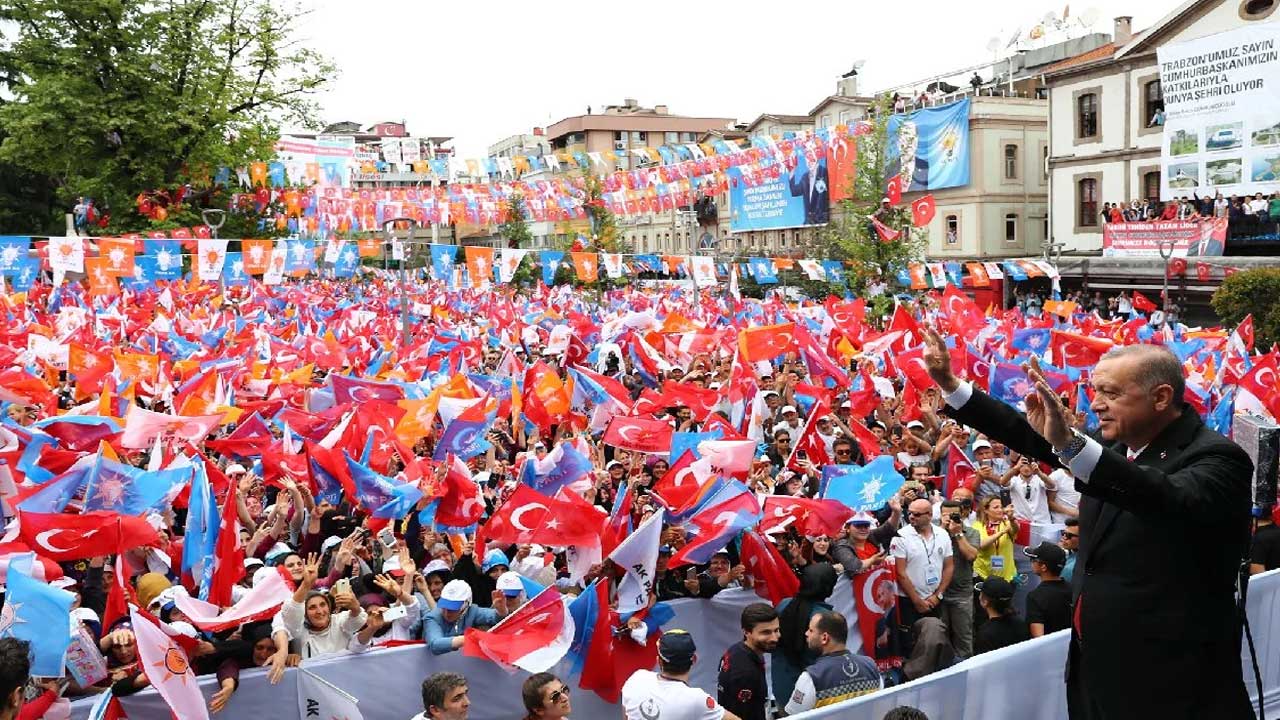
[817,581]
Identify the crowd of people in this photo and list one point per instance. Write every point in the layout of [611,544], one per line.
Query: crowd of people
[357,578]
[1248,214]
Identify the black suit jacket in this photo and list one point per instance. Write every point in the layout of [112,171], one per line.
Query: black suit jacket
[1161,540]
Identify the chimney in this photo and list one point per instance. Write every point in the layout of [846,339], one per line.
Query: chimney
[629,102]
[1123,32]
[538,132]
[660,109]
[847,86]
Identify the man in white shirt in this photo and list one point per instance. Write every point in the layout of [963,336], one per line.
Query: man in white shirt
[1029,490]
[1064,501]
[666,694]
[922,555]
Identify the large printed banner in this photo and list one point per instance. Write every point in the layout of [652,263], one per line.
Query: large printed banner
[1191,238]
[1222,113]
[796,197]
[929,148]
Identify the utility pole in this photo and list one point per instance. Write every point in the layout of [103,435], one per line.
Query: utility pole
[388,230]
[215,219]
[1166,254]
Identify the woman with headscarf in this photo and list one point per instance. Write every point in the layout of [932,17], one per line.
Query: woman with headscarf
[793,655]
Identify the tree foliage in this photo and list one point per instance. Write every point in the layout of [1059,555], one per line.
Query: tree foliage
[1251,292]
[850,235]
[107,98]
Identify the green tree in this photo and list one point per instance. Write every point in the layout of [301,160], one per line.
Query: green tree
[1251,292]
[516,234]
[108,98]
[604,226]
[850,235]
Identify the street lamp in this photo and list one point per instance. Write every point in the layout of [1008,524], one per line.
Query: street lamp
[404,292]
[1166,254]
[215,219]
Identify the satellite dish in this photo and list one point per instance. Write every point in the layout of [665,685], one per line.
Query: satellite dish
[858,65]
[993,44]
[1089,17]
[1013,39]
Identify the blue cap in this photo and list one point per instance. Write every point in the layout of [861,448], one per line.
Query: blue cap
[494,558]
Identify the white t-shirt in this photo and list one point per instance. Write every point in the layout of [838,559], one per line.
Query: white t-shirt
[648,696]
[924,558]
[1033,506]
[1066,493]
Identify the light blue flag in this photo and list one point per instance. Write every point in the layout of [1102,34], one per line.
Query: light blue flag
[762,270]
[301,256]
[233,270]
[443,258]
[38,613]
[166,259]
[863,488]
[23,273]
[551,260]
[348,260]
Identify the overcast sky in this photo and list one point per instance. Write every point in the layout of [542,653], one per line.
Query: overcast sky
[482,70]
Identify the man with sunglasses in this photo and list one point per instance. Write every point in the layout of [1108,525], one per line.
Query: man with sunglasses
[1070,542]
[923,556]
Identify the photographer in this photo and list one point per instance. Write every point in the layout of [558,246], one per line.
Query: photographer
[1029,490]
[957,601]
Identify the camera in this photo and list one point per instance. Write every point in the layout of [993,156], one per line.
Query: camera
[955,518]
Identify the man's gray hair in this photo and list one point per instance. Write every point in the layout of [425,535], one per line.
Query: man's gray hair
[1158,365]
[436,689]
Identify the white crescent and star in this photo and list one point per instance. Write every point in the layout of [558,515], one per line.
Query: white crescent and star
[44,541]
[519,512]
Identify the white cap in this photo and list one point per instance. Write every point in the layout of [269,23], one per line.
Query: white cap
[182,627]
[846,404]
[787,409]
[436,566]
[915,424]
[261,574]
[391,564]
[84,614]
[251,562]
[862,516]
[278,549]
[509,583]
[981,443]
[235,469]
[63,582]
[455,595]
[330,542]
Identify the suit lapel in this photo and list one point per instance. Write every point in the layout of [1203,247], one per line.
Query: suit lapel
[1161,451]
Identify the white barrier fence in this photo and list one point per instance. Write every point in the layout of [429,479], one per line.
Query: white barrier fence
[1023,682]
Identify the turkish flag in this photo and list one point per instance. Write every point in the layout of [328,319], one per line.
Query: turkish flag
[865,401]
[875,594]
[960,470]
[1177,266]
[528,516]
[912,365]
[1260,381]
[279,466]
[1203,271]
[701,401]
[893,189]
[885,232]
[774,578]
[923,210]
[461,505]
[535,626]
[638,434]
[767,341]
[228,552]
[1142,303]
[811,517]
[61,537]
[1078,350]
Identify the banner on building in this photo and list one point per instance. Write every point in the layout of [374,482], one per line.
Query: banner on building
[929,148]
[1221,113]
[796,197]
[1190,238]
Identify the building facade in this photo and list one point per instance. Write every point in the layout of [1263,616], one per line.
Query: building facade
[1105,138]
[534,143]
[621,129]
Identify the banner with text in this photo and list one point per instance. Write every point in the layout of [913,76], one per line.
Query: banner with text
[794,196]
[1190,238]
[1221,113]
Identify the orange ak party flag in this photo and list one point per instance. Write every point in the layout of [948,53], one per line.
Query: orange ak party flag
[587,265]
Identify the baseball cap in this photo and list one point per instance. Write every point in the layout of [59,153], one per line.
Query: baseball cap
[391,566]
[455,595]
[788,409]
[862,517]
[981,443]
[665,550]
[676,647]
[329,542]
[915,424]
[846,404]
[1049,554]
[612,463]
[509,583]
[495,558]
[277,551]
[996,588]
[437,566]
[252,562]
[235,469]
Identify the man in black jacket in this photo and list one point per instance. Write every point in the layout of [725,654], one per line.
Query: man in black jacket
[1164,524]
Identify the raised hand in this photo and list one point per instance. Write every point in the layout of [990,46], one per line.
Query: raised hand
[311,570]
[1045,411]
[937,360]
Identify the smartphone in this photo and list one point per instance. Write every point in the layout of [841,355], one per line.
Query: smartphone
[387,538]
[985,463]
[691,574]
[395,612]
[342,585]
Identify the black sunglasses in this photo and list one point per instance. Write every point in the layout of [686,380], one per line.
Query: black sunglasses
[1070,535]
[558,695]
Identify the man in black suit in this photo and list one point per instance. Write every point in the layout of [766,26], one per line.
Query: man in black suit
[809,181]
[1164,524]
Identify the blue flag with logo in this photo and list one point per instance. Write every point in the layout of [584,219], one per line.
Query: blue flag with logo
[551,260]
[348,260]
[201,538]
[13,248]
[38,613]
[382,496]
[1032,340]
[301,256]
[1009,384]
[688,441]
[762,270]
[167,259]
[1220,418]
[867,487]
[233,270]
[442,261]
[834,270]
[1083,405]
[562,466]
[23,273]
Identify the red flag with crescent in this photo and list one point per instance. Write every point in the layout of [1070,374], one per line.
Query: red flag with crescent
[923,210]
[638,434]
[767,342]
